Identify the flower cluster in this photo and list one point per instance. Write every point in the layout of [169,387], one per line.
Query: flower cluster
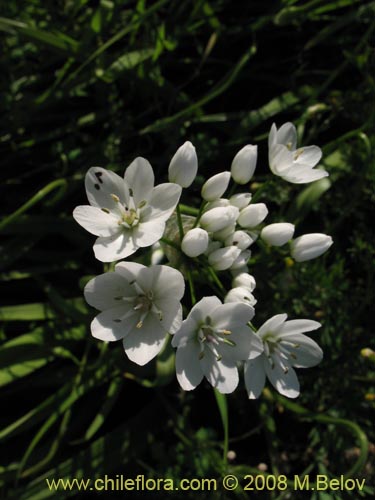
[141,304]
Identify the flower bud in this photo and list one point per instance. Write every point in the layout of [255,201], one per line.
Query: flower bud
[223,234]
[244,163]
[223,258]
[195,242]
[244,280]
[240,294]
[277,234]
[241,260]
[240,200]
[240,239]
[219,218]
[310,246]
[220,202]
[157,254]
[215,186]
[184,165]
[252,215]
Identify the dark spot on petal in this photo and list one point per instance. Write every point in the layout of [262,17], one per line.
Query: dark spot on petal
[105,210]
[117,320]
[235,242]
[96,186]
[98,176]
[130,192]
[131,282]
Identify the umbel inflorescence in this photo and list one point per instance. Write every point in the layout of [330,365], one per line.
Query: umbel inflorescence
[141,305]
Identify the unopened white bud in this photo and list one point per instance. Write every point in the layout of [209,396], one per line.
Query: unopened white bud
[239,239]
[223,234]
[240,294]
[310,246]
[219,218]
[223,258]
[241,260]
[195,242]
[244,280]
[184,165]
[277,234]
[221,202]
[157,254]
[240,200]
[215,186]
[252,215]
[244,163]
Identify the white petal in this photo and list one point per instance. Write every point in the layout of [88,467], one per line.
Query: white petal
[163,201]
[167,282]
[283,378]
[95,221]
[304,351]
[129,270]
[255,377]
[272,137]
[143,344]
[241,337]
[100,184]
[272,325]
[112,248]
[280,159]
[171,314]
[295,326]
[188,369]
[300,174]
[223,374]
[114,324]
[309,155]
[146,234]
[228,316]
[104,291]
[257,346]
[139,176]
[287,135]
[203,308]
[186,333]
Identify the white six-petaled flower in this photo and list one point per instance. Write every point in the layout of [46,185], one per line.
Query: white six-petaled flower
[211,341]
[139,305]
[285,347]
[292,164]
[125,213]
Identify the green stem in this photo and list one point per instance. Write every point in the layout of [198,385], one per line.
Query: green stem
[185,209]
[216,279]
[170,243]
[199,215]
[191,287]
[59,184]
[222,405]
[179,222]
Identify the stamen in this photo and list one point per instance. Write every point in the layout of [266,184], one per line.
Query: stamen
[139,324]
[115,198]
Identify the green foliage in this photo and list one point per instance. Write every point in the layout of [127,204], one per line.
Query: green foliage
[98,83]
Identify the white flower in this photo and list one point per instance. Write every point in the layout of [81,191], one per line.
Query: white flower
[252,215]
[245,280]
[225,233]
[139,305]
[211,341]
[285,347]
[215,186]
[218,218]
[125,213]
[240,294]
[277,234]
[244,163]
[195,242]
[223,258]
[183,167]
[310,246]
[293,165]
